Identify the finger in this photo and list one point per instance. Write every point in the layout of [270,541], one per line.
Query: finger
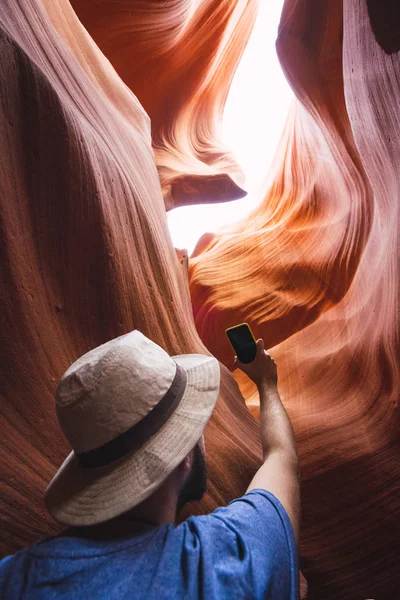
[260,344]
[269,356]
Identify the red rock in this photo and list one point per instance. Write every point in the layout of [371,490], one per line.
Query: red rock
[86,255]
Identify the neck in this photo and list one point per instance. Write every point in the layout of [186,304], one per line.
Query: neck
[159,509]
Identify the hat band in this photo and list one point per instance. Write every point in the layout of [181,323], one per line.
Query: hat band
[133,438]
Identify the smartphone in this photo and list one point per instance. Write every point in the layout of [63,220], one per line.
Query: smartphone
[243,342]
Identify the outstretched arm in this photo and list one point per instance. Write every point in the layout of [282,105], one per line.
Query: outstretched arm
[279,473]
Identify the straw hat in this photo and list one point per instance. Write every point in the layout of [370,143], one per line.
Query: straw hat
[131,414]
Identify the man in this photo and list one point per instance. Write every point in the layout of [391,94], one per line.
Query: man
[135,419]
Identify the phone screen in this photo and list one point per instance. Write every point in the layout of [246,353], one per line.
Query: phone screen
[243,342]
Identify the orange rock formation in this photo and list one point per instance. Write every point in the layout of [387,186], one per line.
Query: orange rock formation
[86,255]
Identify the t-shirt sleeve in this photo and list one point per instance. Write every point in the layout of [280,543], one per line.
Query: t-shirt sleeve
[250,548]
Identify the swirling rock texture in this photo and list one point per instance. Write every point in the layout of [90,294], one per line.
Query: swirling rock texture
[179,58]
[86,255]
[314,270]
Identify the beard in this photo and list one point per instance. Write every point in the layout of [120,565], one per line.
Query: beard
[195,485]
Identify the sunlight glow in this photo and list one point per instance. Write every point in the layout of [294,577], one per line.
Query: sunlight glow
[254,117]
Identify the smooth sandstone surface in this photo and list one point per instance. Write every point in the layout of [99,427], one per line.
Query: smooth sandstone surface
[85,253]
[314,271]
[179,58]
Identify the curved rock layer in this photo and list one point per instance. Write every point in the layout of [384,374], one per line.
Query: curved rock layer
[314,270]
[179,58]
[86,255]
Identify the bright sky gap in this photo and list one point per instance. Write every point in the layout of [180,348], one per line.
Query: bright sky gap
[254,117]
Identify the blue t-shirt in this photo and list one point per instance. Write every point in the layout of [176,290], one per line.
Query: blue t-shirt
[246,550]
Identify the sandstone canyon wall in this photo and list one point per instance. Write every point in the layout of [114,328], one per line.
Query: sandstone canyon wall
[86,178]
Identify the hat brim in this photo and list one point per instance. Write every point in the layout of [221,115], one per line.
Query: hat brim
[80,496]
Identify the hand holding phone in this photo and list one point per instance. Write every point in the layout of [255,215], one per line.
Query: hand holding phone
[243,342]
[261,368]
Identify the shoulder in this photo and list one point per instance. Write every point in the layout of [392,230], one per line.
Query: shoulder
[257,511]
[8,562]
[12,570]
[251,538]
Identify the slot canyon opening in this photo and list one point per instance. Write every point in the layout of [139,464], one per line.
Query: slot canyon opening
[253,121]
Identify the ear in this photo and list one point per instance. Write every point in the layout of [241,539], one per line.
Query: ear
[187,462]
